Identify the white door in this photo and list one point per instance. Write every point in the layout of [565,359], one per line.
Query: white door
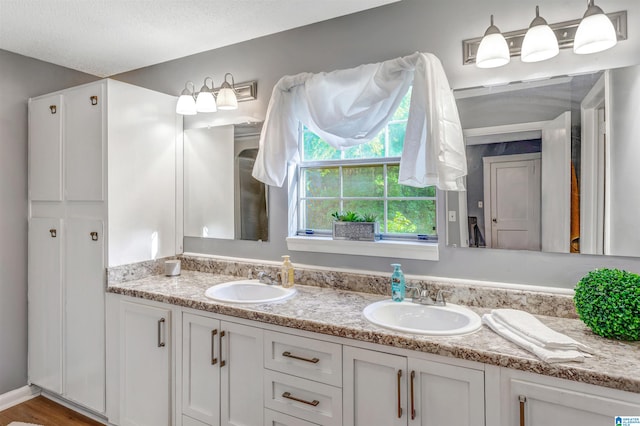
[45,148]
[512,199]
[84,143]
[374,388]
[84,313]
[145,393]
[45,303]
[241,361]
[556,185]
[201,368]
[441,394]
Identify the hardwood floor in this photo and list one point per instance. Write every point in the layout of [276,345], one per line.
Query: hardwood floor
[43,411]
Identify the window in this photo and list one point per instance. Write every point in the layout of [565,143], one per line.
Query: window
[364,179]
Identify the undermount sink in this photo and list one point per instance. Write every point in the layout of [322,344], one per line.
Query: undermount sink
[414,318]
[248,291]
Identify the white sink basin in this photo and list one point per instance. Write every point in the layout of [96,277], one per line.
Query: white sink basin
[248,291]
[432,320]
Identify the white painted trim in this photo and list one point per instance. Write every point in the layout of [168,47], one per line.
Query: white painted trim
[444,280]
[16,396]
[385,248]
[509,132]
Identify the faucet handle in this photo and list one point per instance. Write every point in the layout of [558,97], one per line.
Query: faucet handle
[250,274]
[440,297]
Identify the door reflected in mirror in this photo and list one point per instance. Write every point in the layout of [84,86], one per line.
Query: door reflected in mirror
[552,166]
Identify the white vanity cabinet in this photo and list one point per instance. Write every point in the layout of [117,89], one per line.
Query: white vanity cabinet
[382,388]
[221,372]
[102,191]
[533,400]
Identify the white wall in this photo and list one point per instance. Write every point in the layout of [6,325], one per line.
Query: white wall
[20,78]
[436,26]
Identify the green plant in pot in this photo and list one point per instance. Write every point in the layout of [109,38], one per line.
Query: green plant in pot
[608,301]
[351,225]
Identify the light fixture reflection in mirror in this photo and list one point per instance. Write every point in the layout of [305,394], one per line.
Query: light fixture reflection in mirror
[584,131]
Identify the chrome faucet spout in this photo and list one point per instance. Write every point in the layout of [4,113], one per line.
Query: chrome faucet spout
[265,278]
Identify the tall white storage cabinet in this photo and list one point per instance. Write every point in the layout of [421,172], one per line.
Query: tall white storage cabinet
[102,191]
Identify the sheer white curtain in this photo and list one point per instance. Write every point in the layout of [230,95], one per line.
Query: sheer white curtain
[350,107]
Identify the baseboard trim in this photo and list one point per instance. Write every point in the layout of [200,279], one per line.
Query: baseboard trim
[15,397]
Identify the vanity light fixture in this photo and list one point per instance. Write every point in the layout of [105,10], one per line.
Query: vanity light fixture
[493,50]
[595,32]
[590,34]
[210,99]
[540,42]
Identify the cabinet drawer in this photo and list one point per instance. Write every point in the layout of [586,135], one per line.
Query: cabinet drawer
[273,418]
[306,399]
[307,358]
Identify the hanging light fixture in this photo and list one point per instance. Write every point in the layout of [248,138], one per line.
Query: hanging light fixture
[186,104]
[540,42]
[493,50]
[227,95]
[595,32]
[205,101]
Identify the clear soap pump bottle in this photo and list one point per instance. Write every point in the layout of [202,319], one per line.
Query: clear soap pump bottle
[397,283]
[286,274]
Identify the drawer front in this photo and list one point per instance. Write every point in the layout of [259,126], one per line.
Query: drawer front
[274,418]
[305,399]
[306,358]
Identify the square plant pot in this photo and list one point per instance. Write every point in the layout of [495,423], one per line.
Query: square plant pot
[356,231]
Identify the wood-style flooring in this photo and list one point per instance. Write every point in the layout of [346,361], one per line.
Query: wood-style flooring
[43,411]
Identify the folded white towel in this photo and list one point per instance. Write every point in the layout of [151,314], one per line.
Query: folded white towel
[547,355]
[528,326]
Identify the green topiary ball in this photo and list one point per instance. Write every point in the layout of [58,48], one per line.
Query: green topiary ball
[608,301]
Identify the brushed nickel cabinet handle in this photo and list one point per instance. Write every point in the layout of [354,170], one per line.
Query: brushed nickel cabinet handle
[413,407]
[53,232]
[399,393]
[290,355]
[214,360]
[161,343]
[53,109]
[522,399]
[287,395]
[94,236]
[222,361]
[94,100]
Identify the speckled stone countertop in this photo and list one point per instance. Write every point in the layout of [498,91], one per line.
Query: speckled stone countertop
[339,313]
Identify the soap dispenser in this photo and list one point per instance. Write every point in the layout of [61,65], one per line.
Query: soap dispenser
[397,283]
[287,272]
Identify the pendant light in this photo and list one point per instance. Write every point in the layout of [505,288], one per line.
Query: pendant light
[205,102]
[186,104]
[595,32]
[540,42]
[493,50]
[227,99]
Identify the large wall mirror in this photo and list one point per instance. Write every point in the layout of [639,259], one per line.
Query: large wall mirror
[221,198]
[554,166]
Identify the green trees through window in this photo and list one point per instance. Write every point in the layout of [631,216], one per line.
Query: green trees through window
[363,178]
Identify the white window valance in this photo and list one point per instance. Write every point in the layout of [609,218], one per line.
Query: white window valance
[350,107]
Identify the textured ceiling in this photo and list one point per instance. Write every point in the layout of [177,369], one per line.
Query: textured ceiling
[107,37]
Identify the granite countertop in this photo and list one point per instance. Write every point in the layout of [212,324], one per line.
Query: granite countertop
[339,313]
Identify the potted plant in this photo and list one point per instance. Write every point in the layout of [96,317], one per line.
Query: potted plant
[355,226]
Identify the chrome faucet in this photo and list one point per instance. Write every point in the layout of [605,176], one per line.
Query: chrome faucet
[423,297]
[265,278]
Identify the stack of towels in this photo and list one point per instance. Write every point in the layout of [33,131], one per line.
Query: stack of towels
[527,331]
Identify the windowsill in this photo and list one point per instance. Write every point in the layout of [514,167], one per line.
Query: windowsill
[384,248]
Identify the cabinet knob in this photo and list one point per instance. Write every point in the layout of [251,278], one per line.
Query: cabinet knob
[94,236]
[53,109]
[94,100]
[53,232]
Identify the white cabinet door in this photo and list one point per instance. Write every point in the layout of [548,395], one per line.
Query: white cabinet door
[83,146]
[45,148]
[441,394]
[201,368]
[374,388]
[84,313]
[45,303]
[145,393]
[241,359]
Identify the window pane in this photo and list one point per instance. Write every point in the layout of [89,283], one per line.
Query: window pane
[374,207]
[412,217]
[365,181]
[372,149]
[316,149]
[318,213]
[402,113]
[397,190]
[396,138]
[323,182]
